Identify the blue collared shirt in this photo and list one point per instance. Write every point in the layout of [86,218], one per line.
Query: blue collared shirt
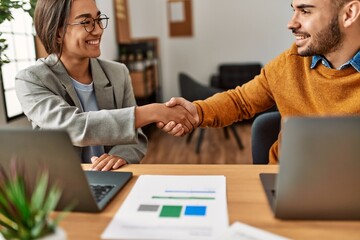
[354,62]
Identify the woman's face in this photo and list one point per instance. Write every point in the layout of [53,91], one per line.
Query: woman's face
[78,43]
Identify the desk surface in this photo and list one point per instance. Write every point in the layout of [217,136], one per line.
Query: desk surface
[246,203]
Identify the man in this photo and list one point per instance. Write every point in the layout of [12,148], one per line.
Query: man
[318,75]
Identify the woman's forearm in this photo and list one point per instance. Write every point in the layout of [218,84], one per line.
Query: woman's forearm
[158,112]
[146,114]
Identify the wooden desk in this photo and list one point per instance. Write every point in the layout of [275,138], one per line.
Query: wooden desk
[246,203]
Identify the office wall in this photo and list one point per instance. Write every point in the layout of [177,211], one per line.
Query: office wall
[109,46]
[224,31]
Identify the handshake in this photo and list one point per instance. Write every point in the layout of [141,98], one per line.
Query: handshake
[176,117]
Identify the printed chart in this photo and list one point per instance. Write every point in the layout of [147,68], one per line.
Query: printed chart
[172,207]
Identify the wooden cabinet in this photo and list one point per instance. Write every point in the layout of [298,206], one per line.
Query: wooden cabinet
[122,21]
[141,56]
[145,83]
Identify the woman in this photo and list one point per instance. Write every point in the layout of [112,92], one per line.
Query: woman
[91,99]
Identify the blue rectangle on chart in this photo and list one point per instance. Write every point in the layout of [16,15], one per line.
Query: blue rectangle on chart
[195,210]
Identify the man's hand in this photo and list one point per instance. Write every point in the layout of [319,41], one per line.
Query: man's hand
[179,115]
[159,112]
[178,129]
[106,162]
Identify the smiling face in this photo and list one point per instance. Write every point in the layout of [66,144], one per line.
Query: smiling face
[315,25]
[78,43]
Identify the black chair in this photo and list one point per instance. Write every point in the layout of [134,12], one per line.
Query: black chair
[231,75]
[191,91]
[264,132]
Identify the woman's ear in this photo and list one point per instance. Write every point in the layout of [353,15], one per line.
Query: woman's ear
[351,13]
[59,35]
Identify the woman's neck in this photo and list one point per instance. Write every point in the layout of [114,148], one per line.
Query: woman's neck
[78,69]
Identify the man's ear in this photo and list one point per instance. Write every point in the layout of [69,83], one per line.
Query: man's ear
[351,13]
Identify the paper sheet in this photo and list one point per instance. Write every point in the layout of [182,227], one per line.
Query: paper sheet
[172,207]
[177,13]
[240,231]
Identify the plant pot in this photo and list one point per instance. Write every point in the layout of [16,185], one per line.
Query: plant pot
[59,234]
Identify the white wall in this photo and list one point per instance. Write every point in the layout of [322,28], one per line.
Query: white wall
[109,46]
[224,31]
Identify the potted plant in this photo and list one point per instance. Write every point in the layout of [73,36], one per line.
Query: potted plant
[25,209]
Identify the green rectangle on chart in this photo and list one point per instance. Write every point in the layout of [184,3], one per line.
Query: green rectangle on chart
[170,211]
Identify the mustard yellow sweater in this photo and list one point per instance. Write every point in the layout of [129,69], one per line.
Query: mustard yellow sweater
[296,89]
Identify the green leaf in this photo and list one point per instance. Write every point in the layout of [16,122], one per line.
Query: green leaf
[52,199]
[39,193]
[18,198]
[6,223]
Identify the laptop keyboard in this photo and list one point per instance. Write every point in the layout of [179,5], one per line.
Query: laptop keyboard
[100,191]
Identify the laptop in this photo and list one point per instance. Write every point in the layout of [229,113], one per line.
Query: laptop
[88,191]
[319,173]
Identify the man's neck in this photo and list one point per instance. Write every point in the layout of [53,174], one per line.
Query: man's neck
[342,55]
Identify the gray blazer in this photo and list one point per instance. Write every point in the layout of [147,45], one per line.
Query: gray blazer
[49,100]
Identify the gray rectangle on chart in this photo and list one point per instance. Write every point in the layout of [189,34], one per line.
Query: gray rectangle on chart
[148,208]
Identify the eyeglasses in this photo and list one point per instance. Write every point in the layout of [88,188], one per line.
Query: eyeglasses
[89,22]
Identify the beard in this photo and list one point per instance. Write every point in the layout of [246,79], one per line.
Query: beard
[326,41]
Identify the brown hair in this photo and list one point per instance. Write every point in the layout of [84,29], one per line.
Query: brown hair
[49,17]
[340,3]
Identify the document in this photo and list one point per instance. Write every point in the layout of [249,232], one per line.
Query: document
[241,231]
[177,13]
[172,207]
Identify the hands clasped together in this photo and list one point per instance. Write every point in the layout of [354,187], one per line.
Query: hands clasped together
[176,117]
[181,117]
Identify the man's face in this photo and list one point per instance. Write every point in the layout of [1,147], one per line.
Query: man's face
[316,27]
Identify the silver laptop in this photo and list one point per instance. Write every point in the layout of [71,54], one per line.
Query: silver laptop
[319,174]
[89,191]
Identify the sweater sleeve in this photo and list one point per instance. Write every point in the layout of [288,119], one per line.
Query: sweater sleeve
[237,104]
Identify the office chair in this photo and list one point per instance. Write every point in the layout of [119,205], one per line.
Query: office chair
[231,75]
[191,91]
[264,132]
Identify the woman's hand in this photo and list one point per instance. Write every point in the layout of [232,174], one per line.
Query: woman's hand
[159,112]
[177,129]
[107,162]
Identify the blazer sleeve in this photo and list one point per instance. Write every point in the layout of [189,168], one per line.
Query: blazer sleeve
[46,103]
[124,96]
